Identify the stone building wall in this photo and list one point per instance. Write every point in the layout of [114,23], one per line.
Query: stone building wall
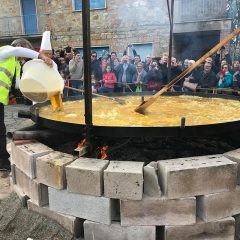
[10,8]
[120,23]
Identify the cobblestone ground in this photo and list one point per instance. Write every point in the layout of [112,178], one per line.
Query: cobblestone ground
[11,117]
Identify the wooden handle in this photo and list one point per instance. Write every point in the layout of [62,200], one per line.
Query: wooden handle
[141,108]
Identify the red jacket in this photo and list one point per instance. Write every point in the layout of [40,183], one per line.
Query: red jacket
[109,79]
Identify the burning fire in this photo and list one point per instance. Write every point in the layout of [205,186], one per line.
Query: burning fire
[81,144]
[103,152]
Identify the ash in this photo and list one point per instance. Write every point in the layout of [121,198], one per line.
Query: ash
[152,149]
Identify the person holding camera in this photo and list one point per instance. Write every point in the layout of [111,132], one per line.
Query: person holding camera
[225,78]
[222,54]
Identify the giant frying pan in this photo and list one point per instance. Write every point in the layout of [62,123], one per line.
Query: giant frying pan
[130,131]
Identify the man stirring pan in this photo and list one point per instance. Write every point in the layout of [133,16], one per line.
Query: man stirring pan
[9,76]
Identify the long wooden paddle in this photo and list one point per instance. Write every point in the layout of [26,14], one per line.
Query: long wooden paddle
[142,107]
[118,100]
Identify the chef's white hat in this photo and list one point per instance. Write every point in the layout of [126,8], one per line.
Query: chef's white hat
[46,43]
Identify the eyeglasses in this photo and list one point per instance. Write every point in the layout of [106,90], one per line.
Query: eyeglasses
[94,56]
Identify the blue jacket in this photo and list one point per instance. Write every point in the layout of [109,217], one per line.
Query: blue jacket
[227,81]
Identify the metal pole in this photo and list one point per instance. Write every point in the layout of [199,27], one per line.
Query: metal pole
[170,13]
[87,68]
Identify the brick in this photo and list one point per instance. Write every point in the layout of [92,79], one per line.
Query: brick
[151,185]
[24,156]
[221,229]
[124,180]
[34,190]
[93,208]
[162,211]
[85,176]
[73,224]
[195,176]
[235,157]
[98,231]
[218,205]
[50,169]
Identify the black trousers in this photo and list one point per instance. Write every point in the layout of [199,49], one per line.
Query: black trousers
[3,152]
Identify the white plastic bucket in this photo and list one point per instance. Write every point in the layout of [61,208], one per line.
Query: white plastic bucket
[39,82]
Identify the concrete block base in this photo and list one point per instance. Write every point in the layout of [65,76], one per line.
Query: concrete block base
[124,180]
[216,206]
[98,231]
[34,190]
[98,209]
[223,229]
[73,224]
[159,212]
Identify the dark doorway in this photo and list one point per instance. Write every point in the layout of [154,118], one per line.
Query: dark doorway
[195,44]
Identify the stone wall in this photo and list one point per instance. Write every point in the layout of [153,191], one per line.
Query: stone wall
[117,25]
[176,199]
[10,8]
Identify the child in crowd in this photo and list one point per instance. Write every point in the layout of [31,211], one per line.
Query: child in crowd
[109,79]
[95,83]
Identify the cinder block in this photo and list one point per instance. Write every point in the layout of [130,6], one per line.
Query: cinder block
[73,224]
[98,231]
[218,205]
[97,209]
[237,227]
[235,157]
[197,176]
[34,190]
[22,196]
[85,176]
[158,211]
[222,229]
[151,185]
[124,180]
[50,169]
[24,156]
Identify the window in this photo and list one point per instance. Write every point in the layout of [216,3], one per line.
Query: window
[143,49]
[94,4]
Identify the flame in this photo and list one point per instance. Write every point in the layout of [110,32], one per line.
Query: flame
[81,143]
[103,152]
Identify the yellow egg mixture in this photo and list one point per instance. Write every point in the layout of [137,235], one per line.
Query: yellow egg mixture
[166,111]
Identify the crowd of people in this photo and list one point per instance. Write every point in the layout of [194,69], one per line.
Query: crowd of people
[133,74]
